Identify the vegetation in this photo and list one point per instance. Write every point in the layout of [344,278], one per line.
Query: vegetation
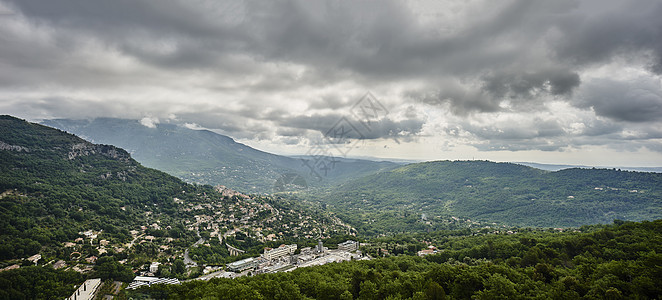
[57,185]
[38,283]
[424,196]
[54,186]
[612,262]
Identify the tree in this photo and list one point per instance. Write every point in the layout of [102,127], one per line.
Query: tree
[368,291]
[346,295]
[179,267]
[108,268]
[435,291]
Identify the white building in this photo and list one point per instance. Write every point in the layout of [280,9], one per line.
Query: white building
[279,252]
[242,265]
[349,246]
[139,281]
[154,267]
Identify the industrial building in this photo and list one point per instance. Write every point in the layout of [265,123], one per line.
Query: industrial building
[242,265]
[349,246]
[281,251]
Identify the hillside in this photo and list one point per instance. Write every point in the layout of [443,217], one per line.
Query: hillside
[425,195]
[73,202]
[55,184]
[205,157]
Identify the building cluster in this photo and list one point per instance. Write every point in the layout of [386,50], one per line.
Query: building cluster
[430,250]
[285,258]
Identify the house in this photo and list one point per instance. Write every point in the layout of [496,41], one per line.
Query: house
[12,267]
[33,259]
[430,250]
[59,264]
[154,267]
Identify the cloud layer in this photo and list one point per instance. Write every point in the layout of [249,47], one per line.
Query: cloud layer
[552,76]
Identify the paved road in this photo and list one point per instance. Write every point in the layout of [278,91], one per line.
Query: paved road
[134,240]
[187,259]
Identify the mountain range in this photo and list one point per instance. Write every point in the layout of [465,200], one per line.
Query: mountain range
[206,157]
[381,196]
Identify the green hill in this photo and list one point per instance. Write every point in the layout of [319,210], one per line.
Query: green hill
[205,157]
[409,197]
[55,184]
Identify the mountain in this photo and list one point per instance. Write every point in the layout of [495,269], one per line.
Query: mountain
[203,156]
[425,195]
[67,203]
[54,185]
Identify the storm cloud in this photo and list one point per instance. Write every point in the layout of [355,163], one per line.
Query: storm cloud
[493,75]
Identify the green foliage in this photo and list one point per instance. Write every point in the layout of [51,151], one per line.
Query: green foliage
[108,268]
[570,266]
[54,185]
[38,283]
[422,197]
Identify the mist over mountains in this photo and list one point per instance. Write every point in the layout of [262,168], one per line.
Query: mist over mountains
[205,157]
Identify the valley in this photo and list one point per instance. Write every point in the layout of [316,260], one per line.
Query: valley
[73,210]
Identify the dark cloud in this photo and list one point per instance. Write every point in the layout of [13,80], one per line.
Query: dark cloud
[291,69]
[632,101]
[529,86]
[615,29]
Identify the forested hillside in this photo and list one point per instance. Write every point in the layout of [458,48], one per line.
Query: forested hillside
[91,209]
[620,261]
[423,196]
[55,185]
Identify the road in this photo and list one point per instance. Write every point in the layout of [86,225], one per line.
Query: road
[134,240]
[187,259]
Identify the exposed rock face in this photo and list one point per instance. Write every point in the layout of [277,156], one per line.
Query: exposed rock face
[122,175]
[5,146]
[85,149]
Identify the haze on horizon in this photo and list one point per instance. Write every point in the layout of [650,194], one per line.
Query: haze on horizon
[567,82]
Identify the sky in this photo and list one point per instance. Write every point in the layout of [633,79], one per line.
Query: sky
[574,82]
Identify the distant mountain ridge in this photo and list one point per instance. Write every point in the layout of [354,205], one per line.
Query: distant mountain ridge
[558,167]
[203,156]
[505,193]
